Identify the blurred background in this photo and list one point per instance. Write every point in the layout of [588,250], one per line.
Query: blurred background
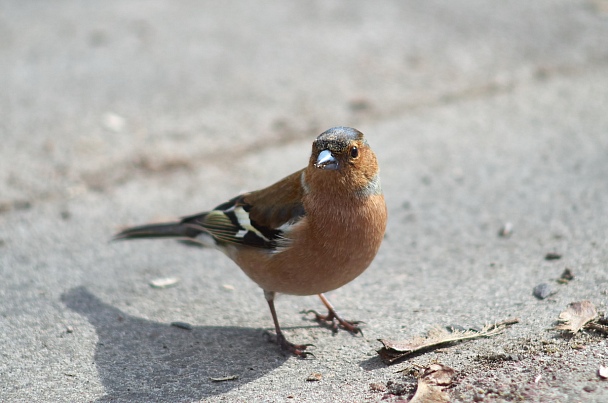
[93,92]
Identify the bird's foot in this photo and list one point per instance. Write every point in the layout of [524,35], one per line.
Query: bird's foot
[336,322]
[298,350]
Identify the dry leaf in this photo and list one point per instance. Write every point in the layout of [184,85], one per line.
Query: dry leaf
[432,384]
[436,337]
[576,315]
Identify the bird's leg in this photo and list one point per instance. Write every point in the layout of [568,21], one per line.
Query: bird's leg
[296,349]
[334,319]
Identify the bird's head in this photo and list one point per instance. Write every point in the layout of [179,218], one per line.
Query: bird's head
[341,157]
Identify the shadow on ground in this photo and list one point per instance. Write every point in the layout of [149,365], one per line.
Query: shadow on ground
[139,360]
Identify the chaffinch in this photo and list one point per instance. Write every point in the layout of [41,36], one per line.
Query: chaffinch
[309,233]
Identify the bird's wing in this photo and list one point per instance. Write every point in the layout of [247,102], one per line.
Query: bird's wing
[259,219]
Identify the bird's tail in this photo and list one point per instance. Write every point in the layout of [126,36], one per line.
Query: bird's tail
[167,230]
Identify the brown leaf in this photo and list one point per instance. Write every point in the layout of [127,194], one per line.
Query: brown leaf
[436,337]
[576,315]
[432,384]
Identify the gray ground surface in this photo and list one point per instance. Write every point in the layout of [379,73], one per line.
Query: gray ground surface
[123,112]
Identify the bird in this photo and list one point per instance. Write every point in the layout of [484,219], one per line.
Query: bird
[309,233]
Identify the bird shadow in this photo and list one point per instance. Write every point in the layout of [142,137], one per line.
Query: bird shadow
[142,360]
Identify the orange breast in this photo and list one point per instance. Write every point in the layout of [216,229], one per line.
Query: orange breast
[330,247]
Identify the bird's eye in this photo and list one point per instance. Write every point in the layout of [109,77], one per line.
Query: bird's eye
[354,152]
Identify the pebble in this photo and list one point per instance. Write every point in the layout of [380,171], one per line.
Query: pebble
[553,256]
[506,230]
[542,291]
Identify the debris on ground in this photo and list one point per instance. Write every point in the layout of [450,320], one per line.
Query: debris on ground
[437,337]
[225,378]
[603,372]
[164,282]
[182,325]
[553,256]
[576,316]
[113,122]
[590,388]
[433,384]
[543,291]
[599,324]
[506,230]
[377,387]
[566,276]
[314,377]
[399,389]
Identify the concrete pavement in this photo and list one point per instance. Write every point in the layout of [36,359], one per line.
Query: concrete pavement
[120,113]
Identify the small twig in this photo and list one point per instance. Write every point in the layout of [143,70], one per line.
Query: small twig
[597,327]
[224,379]
[437,337]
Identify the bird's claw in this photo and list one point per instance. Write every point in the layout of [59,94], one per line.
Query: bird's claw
[288,347]
[335,322]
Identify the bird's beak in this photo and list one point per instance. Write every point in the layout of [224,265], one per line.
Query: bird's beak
[326,160]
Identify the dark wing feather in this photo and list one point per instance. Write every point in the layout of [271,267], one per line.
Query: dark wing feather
[254,219]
